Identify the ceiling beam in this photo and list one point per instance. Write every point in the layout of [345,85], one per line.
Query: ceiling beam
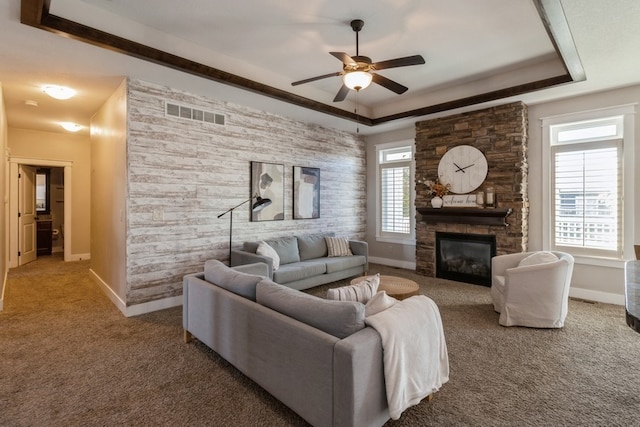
[555,22]
[35,13]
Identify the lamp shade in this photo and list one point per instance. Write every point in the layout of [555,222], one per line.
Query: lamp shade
[357,80]
[260,204]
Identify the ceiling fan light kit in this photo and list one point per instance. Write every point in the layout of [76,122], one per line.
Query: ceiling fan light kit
[357,71]
[357,80]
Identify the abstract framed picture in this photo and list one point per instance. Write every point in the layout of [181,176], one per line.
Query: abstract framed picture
[306,192]
[267,181]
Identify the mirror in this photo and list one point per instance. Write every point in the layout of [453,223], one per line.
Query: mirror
[43,205]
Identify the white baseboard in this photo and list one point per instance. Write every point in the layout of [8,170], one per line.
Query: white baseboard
[78,257]
[585,294]
[393,262]
[138,309]
[148,307]
[4,285]
[597,296]
[115,299]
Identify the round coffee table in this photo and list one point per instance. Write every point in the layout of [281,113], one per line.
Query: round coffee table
[397,287]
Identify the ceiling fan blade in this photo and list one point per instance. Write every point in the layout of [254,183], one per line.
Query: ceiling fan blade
[346,59]
[399,62]
[313,79]
[389,84]
[342,94]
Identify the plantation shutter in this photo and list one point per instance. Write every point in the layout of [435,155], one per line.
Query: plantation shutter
[395,207]
[587,200]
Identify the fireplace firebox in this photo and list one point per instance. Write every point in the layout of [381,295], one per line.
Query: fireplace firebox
[465,257]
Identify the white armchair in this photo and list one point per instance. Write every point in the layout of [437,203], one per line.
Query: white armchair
[534,293]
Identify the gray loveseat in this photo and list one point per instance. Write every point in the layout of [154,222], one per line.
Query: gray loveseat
[314,355]
[304,262]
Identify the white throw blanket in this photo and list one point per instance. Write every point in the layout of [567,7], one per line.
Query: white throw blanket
[416,363]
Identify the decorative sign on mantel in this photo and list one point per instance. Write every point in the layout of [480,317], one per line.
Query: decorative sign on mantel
[460,200]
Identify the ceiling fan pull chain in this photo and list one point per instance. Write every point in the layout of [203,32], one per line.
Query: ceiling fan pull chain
[355,110]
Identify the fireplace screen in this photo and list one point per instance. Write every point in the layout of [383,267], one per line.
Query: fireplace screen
[465,257]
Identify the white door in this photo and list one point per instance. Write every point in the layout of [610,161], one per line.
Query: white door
[27,214]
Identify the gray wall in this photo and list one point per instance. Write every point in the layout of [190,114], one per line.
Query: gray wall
[397,255]
[182,174]
[593,279]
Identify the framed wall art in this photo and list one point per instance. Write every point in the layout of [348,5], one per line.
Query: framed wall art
[267,181]
[306,192]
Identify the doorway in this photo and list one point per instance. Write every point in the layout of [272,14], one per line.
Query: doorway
[58,212]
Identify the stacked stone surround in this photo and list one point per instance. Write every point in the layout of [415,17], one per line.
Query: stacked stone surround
[501,134]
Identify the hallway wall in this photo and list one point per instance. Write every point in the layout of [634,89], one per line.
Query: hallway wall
[4,241]
[67,147]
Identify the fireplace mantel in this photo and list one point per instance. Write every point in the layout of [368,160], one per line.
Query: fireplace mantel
[487,216]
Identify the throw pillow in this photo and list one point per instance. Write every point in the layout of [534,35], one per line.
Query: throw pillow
[362,291]
[338,246]
[380,302]
[338,318]
[541,257]
[239,283]
[287,249]
[265,250]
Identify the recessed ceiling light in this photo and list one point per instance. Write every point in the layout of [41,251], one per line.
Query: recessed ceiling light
[31,103]
[58,92]
[70,126]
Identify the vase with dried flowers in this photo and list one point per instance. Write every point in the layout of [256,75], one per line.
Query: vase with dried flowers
[437,189]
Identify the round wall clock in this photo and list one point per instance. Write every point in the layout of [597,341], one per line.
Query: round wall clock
[464,168]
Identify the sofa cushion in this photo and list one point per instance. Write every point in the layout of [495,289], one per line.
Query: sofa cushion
[362,291]
[379,302]
[338,246]
[338,318]
[242,284]
[541,257]
[298,271]
[313,246]
[344,263]
[265,250]
[287,249]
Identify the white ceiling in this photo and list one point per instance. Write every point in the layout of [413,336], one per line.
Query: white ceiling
[470,46]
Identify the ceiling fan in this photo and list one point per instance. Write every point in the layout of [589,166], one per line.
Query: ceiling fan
[357,71]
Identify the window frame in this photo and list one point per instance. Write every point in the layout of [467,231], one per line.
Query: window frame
[394,237]
[552,124]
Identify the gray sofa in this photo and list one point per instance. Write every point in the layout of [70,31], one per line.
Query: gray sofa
[314,355]
[304,262]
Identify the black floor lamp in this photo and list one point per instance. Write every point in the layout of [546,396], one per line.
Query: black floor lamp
[259,204]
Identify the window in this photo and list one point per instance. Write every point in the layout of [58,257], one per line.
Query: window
[586,182]
[395,178]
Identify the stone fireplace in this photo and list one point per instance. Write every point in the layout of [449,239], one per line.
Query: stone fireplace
[501,134]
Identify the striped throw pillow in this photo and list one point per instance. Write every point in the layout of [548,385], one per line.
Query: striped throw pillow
[338,246]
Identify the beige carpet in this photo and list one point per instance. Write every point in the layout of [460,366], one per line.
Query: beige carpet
[69,358]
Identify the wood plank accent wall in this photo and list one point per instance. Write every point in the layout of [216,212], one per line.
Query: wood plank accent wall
[501,133]
[182,174]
